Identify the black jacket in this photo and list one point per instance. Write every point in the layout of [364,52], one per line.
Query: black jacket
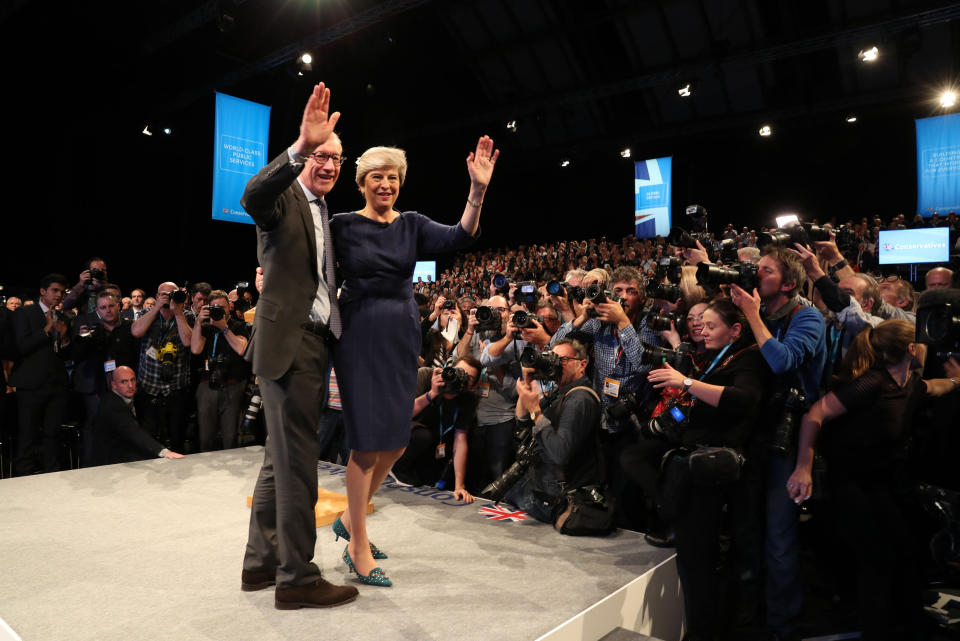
[118,437]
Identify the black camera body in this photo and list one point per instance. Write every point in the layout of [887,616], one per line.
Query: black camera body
[546,366]
[660,321]
[680,359]
[744,275]
[455,380]
[97,274]
[523,320]
[795,405]
[670,268]
[217,366]
[527,453]
[669,424]
[664,291]
[177,296]
[785,237]
[449,304]
[217,312]
[597,295]
[488,319]
[571,292]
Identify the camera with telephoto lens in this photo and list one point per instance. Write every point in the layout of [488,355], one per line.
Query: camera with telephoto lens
[727,250]
[795,405]
[626,408]
[167,355]
[455,380]
[527,453]
[680,359]
[523,320]
[938,327]
[255,402]
[669,424]
[488,319]
[97,274]
[660,321]
[670,268]
[501,283]
[546,366]
[784,237]
[679,237]
[664,291]
[742,274]
[217,312]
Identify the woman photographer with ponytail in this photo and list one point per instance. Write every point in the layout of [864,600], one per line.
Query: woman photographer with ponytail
[866,451]
[725,403]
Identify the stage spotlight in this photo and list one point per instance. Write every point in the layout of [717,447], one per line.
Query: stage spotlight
[869,55]
[167,131]
[684,91]
[512,126]
[851,118]
[146,131]
[766,130]
[948,99]
[625,153]
[304,63]
[564,163]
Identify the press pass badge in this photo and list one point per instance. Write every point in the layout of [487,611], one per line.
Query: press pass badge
[109,366]
[611,387]
[484,389]
[152,353]
[441,450]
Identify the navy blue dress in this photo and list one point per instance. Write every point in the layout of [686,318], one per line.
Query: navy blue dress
[376,357]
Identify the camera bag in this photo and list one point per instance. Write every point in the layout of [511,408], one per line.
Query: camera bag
[711,466]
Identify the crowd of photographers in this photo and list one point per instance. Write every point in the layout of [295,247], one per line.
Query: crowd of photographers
[658,384]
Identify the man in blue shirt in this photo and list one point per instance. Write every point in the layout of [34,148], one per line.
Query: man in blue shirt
[791,336]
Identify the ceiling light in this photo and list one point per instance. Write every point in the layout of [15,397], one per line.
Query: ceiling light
[167,131]
[869,55]
[684,91]
[306,58]
[851,118]
[564,163]
[146,131]
[625,153]
[948,99]
[766,130]
[304,63]
[512,126]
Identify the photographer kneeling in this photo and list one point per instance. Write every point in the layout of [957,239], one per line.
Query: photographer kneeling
[725,401]
[443,412]
[221,340]
[565,430]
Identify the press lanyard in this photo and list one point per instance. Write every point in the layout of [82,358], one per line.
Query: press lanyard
[444,432]
[213,351]
[165,333]
[716,360]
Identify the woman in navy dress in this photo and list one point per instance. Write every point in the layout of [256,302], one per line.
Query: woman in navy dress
[376,357]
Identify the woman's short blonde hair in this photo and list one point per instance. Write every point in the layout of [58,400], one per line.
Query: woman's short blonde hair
[380,158]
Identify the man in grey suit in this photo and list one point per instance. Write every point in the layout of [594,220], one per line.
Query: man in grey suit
[297,315]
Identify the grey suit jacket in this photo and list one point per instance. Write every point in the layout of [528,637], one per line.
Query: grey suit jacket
[287,251]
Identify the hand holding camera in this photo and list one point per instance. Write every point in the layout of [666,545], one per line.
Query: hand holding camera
[436,383]
[216,315]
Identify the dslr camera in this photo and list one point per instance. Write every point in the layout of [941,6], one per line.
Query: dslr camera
[546,366]
[488,319]
[455,380]
[743,274]
[659,321]
[664,291]
[167,355]
[571,292]
[217,312]
[680,359]
[597,295]
[669,424]
[177,296]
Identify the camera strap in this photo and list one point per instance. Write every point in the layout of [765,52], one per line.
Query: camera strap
[165,333]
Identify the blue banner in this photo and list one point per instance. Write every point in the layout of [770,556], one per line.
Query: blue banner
[651,189]
[938,165]
[239,152]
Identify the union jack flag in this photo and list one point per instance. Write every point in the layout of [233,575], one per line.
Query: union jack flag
[497,513]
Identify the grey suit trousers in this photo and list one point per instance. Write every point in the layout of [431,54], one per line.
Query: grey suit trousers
[283,531]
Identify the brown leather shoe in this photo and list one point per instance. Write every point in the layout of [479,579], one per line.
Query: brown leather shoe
[320,594]
[252,581]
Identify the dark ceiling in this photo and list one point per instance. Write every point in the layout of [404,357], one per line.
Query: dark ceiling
[582,80]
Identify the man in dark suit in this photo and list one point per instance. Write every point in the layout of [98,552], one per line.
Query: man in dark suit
[40,376]
[119,438]
[296,315]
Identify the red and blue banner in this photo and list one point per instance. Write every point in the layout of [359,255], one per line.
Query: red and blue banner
[651,189]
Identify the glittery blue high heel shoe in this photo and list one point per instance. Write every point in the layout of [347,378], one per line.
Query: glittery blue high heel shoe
[376,577]
[341,531]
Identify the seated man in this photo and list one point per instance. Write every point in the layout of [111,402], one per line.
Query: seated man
[119,437]
[566,428]
[443,412]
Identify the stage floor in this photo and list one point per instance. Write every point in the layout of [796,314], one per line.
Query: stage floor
[153,550]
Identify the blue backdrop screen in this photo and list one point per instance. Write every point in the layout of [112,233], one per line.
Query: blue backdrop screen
[239,152]
[651,189]
[938,165]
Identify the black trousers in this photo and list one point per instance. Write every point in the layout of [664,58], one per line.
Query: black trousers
[874,521]
[492,451]
[419,464]
[283,529]
[165,417]
[218,411]
[41,412]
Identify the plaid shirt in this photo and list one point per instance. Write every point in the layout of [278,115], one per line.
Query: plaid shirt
[150,378]
[616,355]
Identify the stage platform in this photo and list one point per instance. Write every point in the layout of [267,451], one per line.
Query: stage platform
[153,550]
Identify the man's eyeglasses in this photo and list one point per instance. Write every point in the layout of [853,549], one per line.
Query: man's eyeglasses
[564,359]
[321,159]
